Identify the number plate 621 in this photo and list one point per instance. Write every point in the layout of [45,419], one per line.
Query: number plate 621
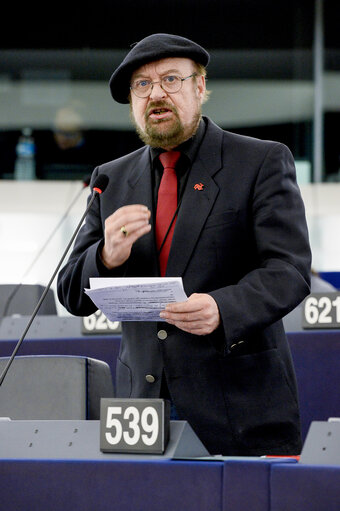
[321,310]
[134,425]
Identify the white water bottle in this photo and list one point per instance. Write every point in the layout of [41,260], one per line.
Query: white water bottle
[24,168]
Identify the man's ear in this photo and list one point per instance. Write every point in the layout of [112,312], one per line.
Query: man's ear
[200,81]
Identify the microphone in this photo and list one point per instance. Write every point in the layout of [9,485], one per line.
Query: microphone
[99,187]
[86,182]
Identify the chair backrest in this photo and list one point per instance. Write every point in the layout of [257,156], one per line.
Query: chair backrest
[22,299]
[54,388]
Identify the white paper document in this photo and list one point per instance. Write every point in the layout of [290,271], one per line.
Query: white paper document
[135,299]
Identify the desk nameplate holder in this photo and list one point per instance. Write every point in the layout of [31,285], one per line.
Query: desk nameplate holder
[80,439]
[322,444]
[139,426]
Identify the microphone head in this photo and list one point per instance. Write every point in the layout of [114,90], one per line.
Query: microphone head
[100,183]
[86,180]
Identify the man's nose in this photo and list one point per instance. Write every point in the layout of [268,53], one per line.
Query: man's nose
[157,91]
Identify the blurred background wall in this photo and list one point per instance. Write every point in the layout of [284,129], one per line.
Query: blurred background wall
[274,74]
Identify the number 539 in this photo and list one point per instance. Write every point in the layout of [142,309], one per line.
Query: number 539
[142,426]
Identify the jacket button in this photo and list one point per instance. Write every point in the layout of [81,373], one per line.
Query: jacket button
[150,379]
[236,344]
[162,334]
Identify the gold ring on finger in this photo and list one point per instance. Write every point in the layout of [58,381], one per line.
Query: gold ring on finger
[124,231]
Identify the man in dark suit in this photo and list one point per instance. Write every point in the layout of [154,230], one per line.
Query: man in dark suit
[240,243]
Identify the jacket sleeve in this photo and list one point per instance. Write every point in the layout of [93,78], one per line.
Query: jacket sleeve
[281,278]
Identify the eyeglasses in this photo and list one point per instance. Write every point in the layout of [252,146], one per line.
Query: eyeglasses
[170,84]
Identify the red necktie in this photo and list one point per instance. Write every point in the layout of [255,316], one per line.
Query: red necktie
[166,206]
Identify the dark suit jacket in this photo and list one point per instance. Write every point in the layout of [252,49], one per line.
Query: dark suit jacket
[243,239]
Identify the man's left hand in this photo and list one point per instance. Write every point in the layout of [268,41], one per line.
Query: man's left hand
[199,315]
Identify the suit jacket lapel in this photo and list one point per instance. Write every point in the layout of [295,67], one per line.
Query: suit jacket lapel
[197,201]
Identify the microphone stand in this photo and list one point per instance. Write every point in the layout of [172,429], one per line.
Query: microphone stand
[34,313]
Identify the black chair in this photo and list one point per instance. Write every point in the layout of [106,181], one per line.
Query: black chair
[23,298]
[54,388]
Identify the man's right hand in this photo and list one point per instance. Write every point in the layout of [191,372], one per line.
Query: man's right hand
[122,229]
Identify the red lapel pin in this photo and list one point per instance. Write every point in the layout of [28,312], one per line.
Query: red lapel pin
[199,186]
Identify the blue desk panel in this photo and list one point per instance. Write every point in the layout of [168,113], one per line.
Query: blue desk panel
[316,357]
[230,485]
[110,486]
[305,488]
[246,484]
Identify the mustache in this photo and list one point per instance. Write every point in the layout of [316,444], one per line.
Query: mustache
[159,104]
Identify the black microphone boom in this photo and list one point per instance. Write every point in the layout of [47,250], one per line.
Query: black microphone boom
[99,186]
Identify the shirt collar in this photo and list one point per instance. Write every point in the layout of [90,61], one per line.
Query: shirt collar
[188,148]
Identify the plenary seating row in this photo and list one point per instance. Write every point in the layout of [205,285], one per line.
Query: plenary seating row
[316,357]
[201,484]
[56,378]
[316,354]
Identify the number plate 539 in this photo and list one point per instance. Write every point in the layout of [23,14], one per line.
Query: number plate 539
[134,425]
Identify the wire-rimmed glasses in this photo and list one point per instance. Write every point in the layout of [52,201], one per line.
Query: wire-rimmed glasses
[169,83]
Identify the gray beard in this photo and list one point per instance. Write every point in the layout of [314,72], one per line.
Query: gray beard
[173,137]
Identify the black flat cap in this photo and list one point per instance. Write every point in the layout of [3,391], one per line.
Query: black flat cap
[154,47]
